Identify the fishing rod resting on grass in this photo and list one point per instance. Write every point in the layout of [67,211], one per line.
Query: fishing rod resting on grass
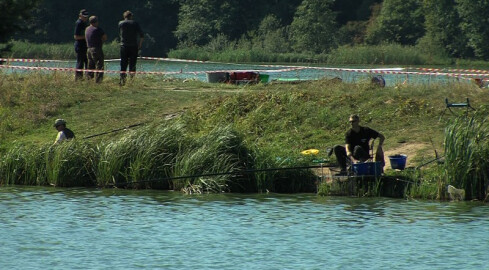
[114,130]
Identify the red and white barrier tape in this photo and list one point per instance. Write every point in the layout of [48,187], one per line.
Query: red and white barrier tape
[479,74]
[454,70]
[136,72]
[9,60]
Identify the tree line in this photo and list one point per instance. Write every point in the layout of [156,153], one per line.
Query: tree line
[455,28]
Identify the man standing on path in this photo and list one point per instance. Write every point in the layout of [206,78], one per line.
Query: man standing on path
[80,43]
[95,37]
[357,141]
[129,32]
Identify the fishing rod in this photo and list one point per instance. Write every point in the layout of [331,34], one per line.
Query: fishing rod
[114,130]
[431,161]
[249,171]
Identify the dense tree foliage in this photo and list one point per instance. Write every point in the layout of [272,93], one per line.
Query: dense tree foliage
[443,30]
[458,28]
[15,14]
[475,25]
[400,21]
[314,26]
[55,20]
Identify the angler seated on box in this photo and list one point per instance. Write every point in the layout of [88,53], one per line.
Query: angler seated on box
[357,148]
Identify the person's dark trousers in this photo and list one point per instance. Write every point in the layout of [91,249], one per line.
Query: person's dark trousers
[129,56]
[358,153]
[81,61]
[96,61]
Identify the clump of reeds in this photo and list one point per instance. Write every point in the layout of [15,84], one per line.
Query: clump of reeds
[279,171]
[466,156]
[66,165]
[140,158]
[222,150]
[23,165]
[160,157]
[424,183]
[71,164]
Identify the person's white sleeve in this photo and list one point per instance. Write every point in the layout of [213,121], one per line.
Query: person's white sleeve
[61,136]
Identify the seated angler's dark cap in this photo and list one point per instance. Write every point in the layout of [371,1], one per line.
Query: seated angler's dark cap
[84,13]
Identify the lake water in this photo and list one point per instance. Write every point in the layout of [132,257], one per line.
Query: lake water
[47,228]
[197,70]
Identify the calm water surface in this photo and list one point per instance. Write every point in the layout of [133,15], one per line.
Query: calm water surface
[45,228]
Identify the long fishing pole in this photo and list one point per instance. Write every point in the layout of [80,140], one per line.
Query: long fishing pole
[114,130]
[218,174]
[431,161]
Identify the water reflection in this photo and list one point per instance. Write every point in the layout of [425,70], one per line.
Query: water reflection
[147,229]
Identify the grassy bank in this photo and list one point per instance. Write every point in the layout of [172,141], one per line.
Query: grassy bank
[218,128]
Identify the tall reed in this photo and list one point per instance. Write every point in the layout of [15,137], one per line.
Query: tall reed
[159,157]
[277,173]
[466,156]
[222,150]
[71,164]
[140,158]
[23,165]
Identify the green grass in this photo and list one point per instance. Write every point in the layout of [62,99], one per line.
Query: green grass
[27,50]
[387,54]
[246,56]
[220,128]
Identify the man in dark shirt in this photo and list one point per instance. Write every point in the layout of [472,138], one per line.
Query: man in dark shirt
[80,43]
[129,32]
[357,141]
[95,37]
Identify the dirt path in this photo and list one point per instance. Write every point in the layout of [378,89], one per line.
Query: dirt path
[412,150]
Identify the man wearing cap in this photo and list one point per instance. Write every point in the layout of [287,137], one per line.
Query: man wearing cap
[129,33]
[80,43]
[357,147]
[95,37]
[64,133]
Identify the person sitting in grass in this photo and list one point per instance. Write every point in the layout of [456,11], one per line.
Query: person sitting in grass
[357,141]
[64,133]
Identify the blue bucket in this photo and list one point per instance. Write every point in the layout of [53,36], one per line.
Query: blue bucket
[367,168]
[398,161]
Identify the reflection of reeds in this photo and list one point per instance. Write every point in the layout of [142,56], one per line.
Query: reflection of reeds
[466,156]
